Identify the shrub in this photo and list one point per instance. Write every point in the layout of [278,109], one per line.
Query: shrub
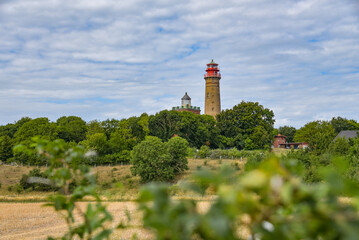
[36,172]
[233,153]
[152,161]
[204,152]
[339,147]
[216,154]
[123,157]
[235,165]
[66,168]
[269,202]
[191,152]
[278,205]
[254,160]
[18,188]
[177,148]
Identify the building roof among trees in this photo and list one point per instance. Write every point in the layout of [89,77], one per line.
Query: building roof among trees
[347,134]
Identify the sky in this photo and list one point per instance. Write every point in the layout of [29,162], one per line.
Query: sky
[117,59]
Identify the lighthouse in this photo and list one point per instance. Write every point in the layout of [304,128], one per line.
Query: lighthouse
[212,104]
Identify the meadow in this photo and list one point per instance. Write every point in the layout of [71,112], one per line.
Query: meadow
[23,215]
[107,178]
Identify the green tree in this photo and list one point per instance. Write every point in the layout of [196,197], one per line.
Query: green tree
[197,129]
[11,128]
[110,126]
[339,146]
[139,126]
[270,202]
[244,120]
[204,151]
[5,148]
[340,124]
[318,134]
[71,128]
[177,148]
[164,124]
[94,127]
[97,142]
[260,138]
[36,127]
[287,131]
[152,161]
[122,138]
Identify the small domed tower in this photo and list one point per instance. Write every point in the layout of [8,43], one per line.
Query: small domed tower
[212,104]
[186,101]
[186,105]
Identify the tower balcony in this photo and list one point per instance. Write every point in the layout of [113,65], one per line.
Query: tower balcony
[209,74]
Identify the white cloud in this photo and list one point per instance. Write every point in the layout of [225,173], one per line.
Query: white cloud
[100,59]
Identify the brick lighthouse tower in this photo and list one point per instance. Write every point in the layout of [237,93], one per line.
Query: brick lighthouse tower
[212,104]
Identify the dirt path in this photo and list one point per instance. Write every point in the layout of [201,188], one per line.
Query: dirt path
[33,221]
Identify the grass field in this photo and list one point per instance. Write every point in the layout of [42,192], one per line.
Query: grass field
[107,177]
[22,219]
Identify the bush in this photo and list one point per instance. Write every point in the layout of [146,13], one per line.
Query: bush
[216,154]
[278,204]
[254,160]
[36,172]
[18,188]
[154,160]
[269,202]
[204,152]
[123,157]
[233,153]
[191,152]
[339,147]
[177,148]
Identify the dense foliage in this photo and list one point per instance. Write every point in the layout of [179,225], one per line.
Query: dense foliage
[154,160]
[248,125]
[289,132]
[319,134]
[268,201]
[198,130]
[340,124]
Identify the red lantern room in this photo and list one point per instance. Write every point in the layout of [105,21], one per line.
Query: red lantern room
[212,70]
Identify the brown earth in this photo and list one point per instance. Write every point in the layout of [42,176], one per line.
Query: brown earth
[34,221]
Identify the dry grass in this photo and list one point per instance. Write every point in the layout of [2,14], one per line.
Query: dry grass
[107,177]
[33,221]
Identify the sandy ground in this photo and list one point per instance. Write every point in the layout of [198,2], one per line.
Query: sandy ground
[33,221]
[27,221]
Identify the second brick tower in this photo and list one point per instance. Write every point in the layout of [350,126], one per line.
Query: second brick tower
[212,104]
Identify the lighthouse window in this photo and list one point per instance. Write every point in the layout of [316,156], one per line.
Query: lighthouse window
[208,95]
[212,80]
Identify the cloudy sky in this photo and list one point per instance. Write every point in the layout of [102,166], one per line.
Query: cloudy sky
[116,59]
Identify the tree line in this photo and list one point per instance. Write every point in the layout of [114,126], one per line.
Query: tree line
[248,126]
[113,140]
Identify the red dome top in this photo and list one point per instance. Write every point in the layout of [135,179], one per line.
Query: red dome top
[212,70]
